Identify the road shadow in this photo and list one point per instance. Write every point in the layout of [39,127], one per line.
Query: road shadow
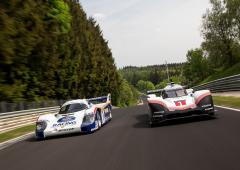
[70,135]
[33,138]
[142,121]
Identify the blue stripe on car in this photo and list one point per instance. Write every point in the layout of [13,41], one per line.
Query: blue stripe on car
[39,134]
[88,128]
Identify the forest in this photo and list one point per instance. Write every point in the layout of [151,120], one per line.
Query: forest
[153,77]
[50,49]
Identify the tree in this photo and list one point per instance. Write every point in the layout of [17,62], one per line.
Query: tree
[233,9]
[51,50]
[154,76]
[144,86]
[196,68]
[154,73]
[128,95]
[220,35]
[60,12]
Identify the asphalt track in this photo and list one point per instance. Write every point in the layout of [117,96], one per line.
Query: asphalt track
[127,143]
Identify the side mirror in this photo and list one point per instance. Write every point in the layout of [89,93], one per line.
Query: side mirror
[190,91]
[89,105]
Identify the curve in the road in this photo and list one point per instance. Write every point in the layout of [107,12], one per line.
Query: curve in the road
[127,143]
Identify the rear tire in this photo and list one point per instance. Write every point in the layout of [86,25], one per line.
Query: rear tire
[98,120]
[150,122]
[110,110]
[110,115]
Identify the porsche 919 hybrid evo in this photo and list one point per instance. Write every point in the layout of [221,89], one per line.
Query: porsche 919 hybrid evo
[175,101]
[82,115]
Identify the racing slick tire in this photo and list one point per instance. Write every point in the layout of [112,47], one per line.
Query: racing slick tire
[40,138]
[212,115]
[151,124]
[110,110]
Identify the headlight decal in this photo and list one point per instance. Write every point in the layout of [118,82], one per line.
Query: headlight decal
[41,125]
[89,118]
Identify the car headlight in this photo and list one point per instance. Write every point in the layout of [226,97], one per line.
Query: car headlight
[40,126]
[89,118]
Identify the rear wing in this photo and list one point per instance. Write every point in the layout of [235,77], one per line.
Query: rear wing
[158,91]
[98,100]
[154,93]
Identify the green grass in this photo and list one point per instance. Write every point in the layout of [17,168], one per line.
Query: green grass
[221,73]
[228,101]
[16,133]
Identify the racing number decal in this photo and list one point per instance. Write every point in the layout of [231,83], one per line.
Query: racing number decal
[181,102]
[107,111]
[178,103]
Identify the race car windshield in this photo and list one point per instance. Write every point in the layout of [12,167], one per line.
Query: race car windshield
[174,93]
[76,107]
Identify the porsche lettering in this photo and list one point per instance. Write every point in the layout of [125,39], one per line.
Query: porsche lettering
[64,124]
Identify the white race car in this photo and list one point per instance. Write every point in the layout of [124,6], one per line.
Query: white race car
[175,101]
[83,115]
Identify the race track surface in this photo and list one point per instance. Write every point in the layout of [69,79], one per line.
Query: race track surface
[127,143]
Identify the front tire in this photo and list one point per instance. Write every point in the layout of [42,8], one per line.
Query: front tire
[39,136]
[212,115]
[151,125]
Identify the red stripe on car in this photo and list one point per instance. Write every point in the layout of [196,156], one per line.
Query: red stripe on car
[183,108]
[157,102]
[202,96]
[95,110]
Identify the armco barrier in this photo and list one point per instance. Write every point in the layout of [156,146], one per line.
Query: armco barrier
[26,105]
[226,84]
[13,120]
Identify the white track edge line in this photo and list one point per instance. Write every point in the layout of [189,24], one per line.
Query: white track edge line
[228,108]
[15,140]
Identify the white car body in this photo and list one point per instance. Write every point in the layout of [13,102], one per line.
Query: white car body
[80,115]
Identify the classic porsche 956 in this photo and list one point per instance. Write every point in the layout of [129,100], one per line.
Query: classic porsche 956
[82,115]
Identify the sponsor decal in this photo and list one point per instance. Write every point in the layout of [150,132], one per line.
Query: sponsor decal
[65,130]
[211,108]
[207,105]
[63,124]
[180,103]
[107,111]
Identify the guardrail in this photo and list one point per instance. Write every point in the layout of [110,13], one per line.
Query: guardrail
[26,105]
[13,120]
[226,84]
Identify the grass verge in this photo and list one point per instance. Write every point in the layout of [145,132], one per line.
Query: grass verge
[227,101]
[234,70]
[16,133]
